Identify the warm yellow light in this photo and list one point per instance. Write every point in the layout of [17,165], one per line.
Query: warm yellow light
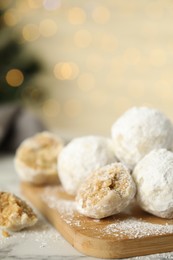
[136,88]
[150,29]
[14,77]
[76,15]
[51,108]
[95,62]
[158,57]
[47,28]
[66,70]
[101,15]
[164,89]
[30,32]
[122,103]
[116,72]
[98,98]
[155,9]
[86,82]
[72,108]
[34,4]
[166,74]
[108,42]
[22,6]
[10,17]
[82,38]
[132,56]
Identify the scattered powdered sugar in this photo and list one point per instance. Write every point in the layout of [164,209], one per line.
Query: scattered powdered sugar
[66,208]
[136,228]
[42,234]
[131,227]
[162,256]
[45,233]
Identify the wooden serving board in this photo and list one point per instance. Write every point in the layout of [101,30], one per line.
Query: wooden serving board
[131,233]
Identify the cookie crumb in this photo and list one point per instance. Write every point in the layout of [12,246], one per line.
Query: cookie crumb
[5,233]
[15,214]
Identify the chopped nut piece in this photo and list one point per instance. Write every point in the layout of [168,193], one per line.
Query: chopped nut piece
[5,233]
[15,214]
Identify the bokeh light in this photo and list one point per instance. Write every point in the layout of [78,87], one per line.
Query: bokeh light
[66,70]
[98,56]
[11,17]
[14,77]
[35,4]
[47,28]
[30,32]
[76,15]
[51,5]
[82,38]
[101,14]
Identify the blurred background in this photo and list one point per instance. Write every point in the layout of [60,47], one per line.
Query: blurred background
[78,65]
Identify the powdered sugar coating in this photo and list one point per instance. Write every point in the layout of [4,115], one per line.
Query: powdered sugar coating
[154,178]
[106,192]
[138,131]
[82,156]
[36,158]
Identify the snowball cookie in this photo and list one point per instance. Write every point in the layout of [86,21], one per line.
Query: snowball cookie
[82,156]
[139,131]
[15,214]
[36,158]
[106,192]
[154,179]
